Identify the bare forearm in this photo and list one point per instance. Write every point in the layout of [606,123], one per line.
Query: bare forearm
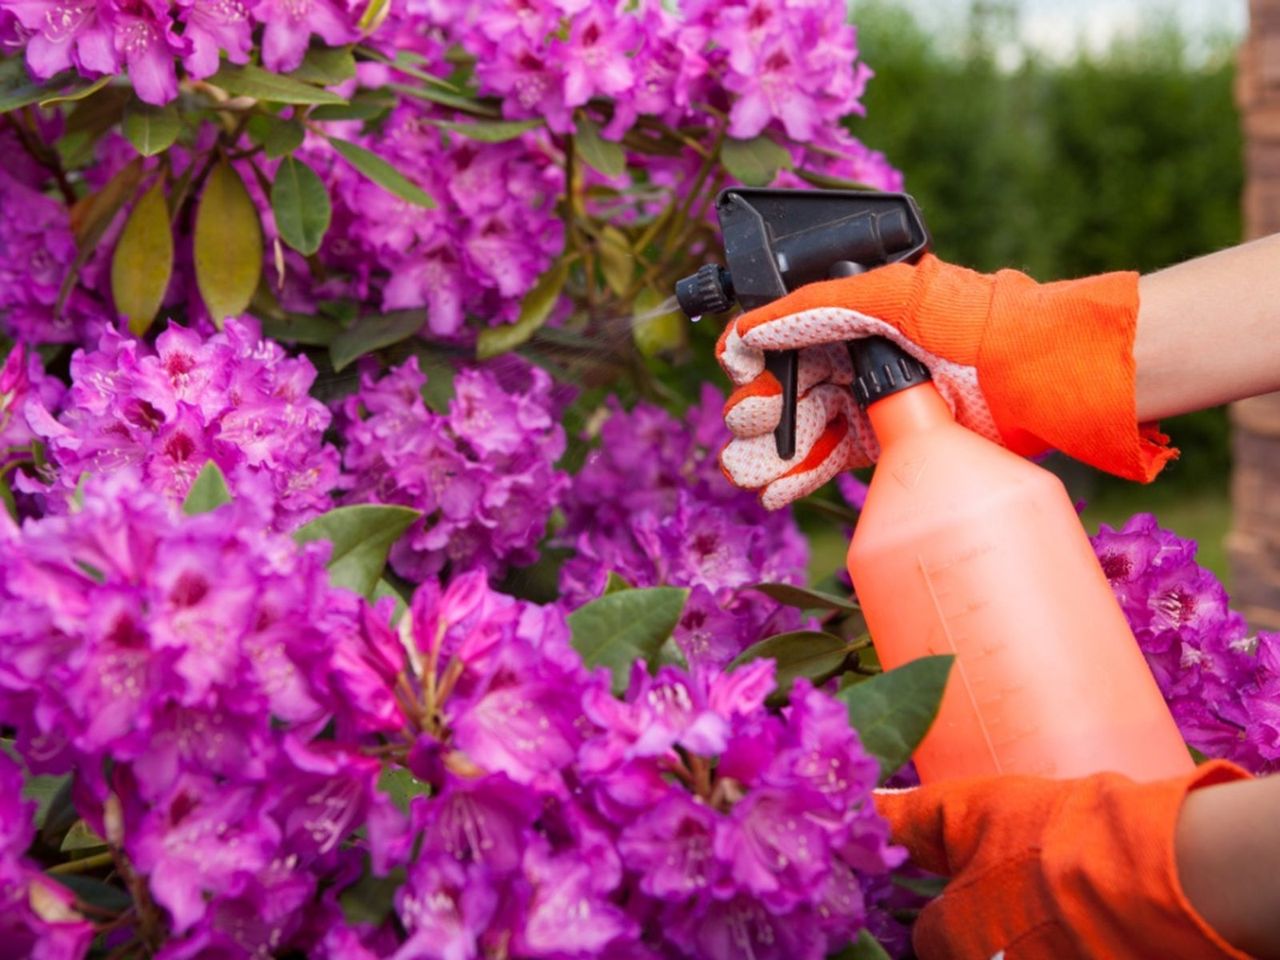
[1209,331]
[1228,855]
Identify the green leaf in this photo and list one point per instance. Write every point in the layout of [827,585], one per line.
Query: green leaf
[208,492]
[91,216]
[227,245]
[866,947]
[893,710]
[325,66]
[46,791]
[77,92]
[283,137]
[445,98]
[602,155]
[374,168]
[384,588]
[251,81]
[535,308]
[371,898]
[828,182]
[142,262]
[94,892]
[401,786]
[617,262]
[149,128]
[801,653]
[60,815]
[615,584]
[373,333]
[489,131]
[88,121]
[18,89]
[617,629]
[362,536]
[305,328]
[300,202]
[373,15]
[81,837]
[439,369]
[365,105]
[802,598]
[754,162]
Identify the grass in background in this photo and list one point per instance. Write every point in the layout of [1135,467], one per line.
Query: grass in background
[1203,515]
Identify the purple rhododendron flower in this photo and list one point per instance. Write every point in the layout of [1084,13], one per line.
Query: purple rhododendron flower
[289,25]
[213,27]
[36,246]
[1219,681]
[66,34]
[483,474]
[651,505]
[147,44]
[232,398]
[181,668]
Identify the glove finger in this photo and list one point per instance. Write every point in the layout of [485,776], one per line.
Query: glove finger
[742,363]
[917,822]
[753,462]
[840,362]
[828,456]
[816,325]
[755,408]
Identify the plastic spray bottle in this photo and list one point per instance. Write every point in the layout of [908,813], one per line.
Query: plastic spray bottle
[961,547]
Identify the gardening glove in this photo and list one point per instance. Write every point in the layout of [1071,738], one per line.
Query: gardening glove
[1054,869]
[1032,366]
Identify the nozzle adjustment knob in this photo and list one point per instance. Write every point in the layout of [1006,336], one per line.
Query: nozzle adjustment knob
[710,290]
[882,368]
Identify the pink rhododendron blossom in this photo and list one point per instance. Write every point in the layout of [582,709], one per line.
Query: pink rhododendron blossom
[1220,682]
[289,25]
[233,398]
[182,668]
[483,474]
[213,27]
[651,505]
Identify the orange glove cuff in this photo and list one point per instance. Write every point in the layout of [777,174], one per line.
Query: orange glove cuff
[1056,870]
[1056,366]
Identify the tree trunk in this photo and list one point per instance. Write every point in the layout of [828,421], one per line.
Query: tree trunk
[1254,542]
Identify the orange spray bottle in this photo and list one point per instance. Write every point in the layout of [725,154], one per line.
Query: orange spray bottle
[962,547]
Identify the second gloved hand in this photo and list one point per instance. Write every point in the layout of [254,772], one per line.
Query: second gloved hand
[1032,366]
[1044,869]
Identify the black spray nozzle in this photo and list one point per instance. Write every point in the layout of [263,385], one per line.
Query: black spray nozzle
[776,241]
[710,290]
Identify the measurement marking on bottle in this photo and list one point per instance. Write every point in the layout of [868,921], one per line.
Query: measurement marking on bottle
[959,662]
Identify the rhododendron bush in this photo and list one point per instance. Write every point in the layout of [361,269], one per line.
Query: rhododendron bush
[368,585]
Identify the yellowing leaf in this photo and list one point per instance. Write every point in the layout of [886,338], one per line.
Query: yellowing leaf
[617,262]
[143,261]
[656,330]
[228,244]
